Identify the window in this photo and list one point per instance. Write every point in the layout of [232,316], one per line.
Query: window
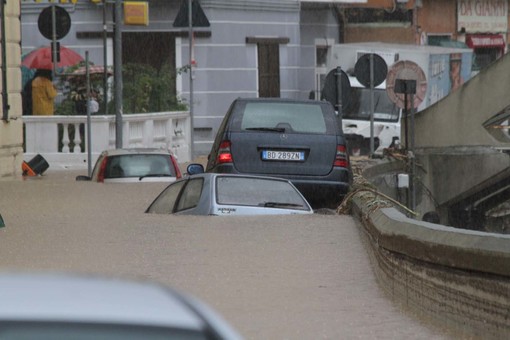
[191,194]
[256,192]
[359,107]
[139,165]
[377,15]
[269,69]
[321,53]
[304,118]
[165,202]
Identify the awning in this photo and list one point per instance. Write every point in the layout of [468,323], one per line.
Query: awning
[485,41]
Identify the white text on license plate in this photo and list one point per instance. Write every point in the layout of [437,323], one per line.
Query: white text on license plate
[283,155]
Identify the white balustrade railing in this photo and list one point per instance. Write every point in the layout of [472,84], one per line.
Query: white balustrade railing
[55,137]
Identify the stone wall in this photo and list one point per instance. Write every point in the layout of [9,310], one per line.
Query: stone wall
[11,126]
[458,280]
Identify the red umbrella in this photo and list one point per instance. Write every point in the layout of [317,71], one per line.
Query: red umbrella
[41,58]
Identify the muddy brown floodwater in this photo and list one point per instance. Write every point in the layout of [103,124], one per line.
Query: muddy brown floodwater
[283,277]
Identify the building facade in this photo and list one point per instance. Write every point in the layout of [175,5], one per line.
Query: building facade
[266,48]
[11,126]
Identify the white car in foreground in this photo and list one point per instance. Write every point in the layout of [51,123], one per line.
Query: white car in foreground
[64,306]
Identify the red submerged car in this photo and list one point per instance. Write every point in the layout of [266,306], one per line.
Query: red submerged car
[134,165]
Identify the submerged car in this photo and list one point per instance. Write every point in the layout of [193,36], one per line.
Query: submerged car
[65,306]
[134,165]
[228,194]
[300,140]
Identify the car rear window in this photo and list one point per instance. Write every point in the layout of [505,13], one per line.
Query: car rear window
[257,192]
[294,117]
[139,165]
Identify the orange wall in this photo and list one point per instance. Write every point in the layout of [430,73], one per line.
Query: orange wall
[433,17]
[438,16]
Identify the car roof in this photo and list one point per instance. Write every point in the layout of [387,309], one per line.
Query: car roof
[71,298]
[132,151]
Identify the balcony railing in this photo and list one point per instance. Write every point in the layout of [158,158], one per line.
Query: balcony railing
[56,138]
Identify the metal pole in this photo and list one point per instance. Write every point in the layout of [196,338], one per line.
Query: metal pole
[5,91]
[338,75]
[413,160]
[105,60]
[190,38]
[54,38]
[89,142]
[409,190]
[372,105]
[118,74]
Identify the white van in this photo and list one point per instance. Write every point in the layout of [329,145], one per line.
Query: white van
[356,119]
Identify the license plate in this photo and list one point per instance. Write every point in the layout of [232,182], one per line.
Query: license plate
[270,155]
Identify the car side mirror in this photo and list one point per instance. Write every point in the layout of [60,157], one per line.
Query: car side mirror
[195,168]
[83,178]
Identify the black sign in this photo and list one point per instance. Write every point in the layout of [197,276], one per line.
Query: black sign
[198,17]
[62,22]
[405,86]
[362,69]
[330,91]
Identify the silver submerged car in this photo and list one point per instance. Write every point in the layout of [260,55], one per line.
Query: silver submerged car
[65,306]
[134,165]
[228,194]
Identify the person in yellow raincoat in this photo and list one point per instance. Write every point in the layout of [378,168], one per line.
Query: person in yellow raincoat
[43,94]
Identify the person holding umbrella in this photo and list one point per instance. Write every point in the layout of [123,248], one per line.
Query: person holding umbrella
[43,90]
[43,93]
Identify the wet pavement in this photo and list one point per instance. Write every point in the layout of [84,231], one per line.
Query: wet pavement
[280,277]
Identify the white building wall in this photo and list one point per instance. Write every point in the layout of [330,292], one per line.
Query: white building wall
[226,63]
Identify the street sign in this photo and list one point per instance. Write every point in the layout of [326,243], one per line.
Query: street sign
[331,90]
[406,70]
[62,22]
[362,69]
[198,17]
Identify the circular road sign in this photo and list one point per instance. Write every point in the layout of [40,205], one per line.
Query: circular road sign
[330,93]
[406,70]
[362,69]
[62,22]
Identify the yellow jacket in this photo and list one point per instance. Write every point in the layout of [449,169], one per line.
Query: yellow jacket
[43,94]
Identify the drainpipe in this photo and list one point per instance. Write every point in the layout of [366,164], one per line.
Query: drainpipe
[340,20]
[5,94]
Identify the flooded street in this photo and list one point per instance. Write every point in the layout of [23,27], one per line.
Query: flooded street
[283,277]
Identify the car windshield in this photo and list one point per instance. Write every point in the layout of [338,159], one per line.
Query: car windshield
[138,165]
[360,106]
[290,117]
[258,192]
[85,331]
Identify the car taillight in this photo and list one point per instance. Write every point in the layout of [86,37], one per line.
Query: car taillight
[102,169]
[341,157]
[224,154]
[176,167]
